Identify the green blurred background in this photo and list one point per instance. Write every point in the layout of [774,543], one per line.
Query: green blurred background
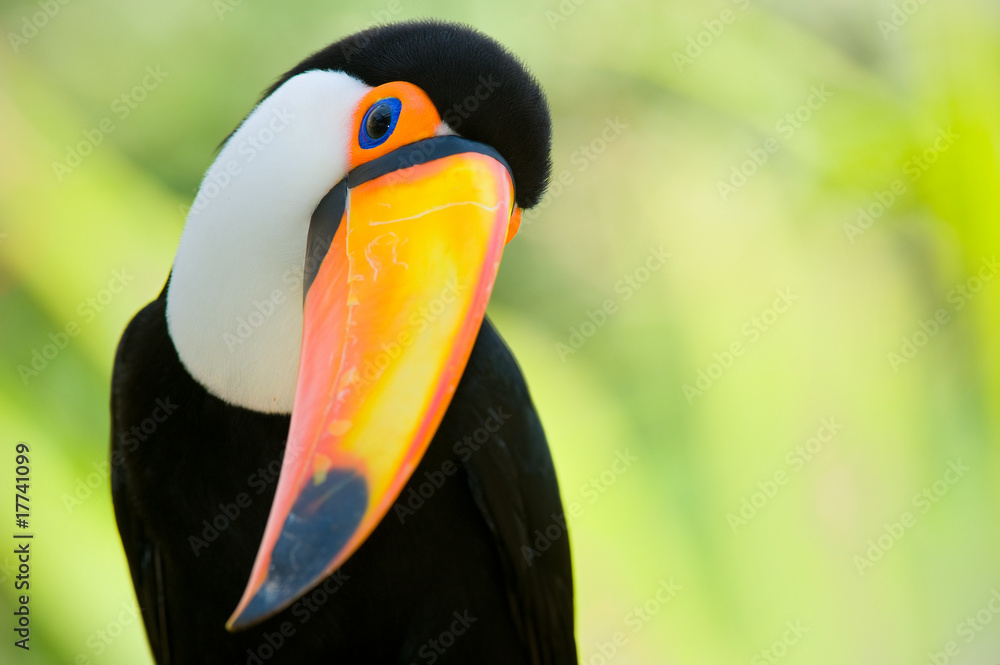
[739,138]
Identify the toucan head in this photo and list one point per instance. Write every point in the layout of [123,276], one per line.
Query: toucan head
[336,265]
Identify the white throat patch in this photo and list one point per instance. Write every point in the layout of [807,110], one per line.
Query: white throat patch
[234,304]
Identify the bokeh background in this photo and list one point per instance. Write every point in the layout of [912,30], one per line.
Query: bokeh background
[823,181]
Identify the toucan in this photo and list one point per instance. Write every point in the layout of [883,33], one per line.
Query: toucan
[322,450]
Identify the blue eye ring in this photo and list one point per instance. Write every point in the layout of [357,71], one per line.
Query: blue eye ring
[379,122]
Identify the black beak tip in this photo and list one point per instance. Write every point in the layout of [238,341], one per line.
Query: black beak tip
[321,522]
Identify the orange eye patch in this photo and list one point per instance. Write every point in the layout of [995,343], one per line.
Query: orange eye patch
[388,117]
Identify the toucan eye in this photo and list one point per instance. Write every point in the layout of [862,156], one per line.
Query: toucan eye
[378,123]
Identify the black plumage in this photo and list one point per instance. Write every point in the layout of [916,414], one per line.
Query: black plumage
[461,551]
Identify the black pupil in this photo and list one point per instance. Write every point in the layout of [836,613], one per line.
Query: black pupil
[378,121]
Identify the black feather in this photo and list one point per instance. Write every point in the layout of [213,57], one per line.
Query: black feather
[461,551]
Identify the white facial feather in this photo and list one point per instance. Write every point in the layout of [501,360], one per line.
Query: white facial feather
[234,304]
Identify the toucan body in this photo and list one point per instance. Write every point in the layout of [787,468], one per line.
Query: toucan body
[347,466]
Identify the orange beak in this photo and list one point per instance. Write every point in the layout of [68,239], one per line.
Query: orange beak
[390,318]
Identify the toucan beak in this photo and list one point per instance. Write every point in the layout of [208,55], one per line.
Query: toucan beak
[390,317]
